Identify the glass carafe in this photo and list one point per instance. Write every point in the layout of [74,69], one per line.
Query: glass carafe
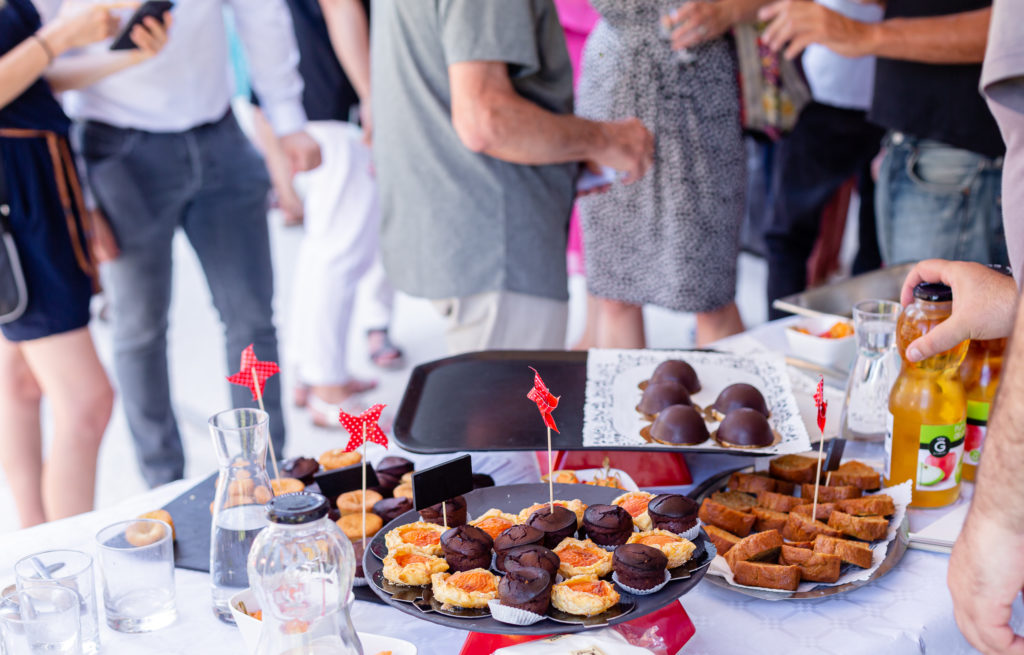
[240,438]
[301,568]
[866,406]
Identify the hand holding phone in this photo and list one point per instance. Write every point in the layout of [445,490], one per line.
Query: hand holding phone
[151,9]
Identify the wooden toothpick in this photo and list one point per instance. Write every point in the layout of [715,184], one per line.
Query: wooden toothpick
[551,477]
[259,399]
[363,501]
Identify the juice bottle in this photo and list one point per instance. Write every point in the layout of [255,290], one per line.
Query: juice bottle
[980,376]
[927,406]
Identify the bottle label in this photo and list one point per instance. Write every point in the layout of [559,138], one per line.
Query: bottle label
[939,456]
[977,428]
[889,420]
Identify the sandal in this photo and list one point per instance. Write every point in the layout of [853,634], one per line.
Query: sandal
[383,353]
[325,414]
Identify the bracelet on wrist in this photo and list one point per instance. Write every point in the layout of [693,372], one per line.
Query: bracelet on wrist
[45,46]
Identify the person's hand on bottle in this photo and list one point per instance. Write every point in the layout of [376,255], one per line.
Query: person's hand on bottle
[984,304]
[698,22]
[628,147]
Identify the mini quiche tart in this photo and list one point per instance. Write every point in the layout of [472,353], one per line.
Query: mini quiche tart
[676,549]
[494,522]
[635,502]
[469,589]
[422,536]
[584,595]
[407,566]
[575,505]
[582,558]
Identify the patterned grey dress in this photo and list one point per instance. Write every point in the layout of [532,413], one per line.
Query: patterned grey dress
[672,238]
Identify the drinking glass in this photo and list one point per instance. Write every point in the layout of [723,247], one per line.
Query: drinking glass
[43,619]
[866,406]
[667,23]
[72,569]
[137,562]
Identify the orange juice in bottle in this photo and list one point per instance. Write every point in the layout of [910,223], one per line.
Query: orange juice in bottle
[927,406]
[980,376]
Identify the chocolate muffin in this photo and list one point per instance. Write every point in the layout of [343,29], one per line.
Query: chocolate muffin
[555,525]
[736,396]
[526,589]
[657,396]
[607,525]
[676,370]
[639,566]
[673,512]
[391,508]
[389,472]
[680,424]
[745,427]
[481,480]
[454,511]
[517,535]
[466,548]
[300,468]
[532,556]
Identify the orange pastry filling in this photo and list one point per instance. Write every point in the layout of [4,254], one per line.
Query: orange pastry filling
[419,537]
[658,540]
[405,559]
[494,526]
[594,587]
[470,581]
[578,557]
[635,505]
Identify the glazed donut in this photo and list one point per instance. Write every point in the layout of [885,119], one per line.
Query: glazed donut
[406,478]
[352,525]
[144,533]
[337,458]
[261,495]
[403,490]
[160,515]
[353,502]
[283,486]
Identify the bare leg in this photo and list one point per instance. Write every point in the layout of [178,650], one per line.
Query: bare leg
[280,170]
[337,393]
[21,445]
[73,380]
[619,324]
[588,339]
[718,324]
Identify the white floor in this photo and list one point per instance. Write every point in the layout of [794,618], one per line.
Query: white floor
[196,356]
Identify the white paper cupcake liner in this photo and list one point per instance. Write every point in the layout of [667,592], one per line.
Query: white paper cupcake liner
[512,615]
[692,533]
[641,592]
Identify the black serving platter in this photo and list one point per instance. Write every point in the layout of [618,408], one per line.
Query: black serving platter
[417,600]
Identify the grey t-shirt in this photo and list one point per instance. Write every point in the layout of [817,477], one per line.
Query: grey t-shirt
[1002,80]
[454,222]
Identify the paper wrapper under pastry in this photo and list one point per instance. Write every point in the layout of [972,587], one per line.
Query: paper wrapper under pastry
[641,592]
[512,615]
[692,533]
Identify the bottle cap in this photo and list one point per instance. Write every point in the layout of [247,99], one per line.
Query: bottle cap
[297,508]
[933,292]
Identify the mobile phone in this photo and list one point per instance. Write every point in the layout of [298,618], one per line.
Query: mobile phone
[150,8]
[589,180]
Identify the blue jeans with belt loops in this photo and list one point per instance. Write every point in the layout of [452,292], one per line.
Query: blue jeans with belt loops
[937,201]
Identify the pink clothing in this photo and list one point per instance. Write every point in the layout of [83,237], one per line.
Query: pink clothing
[578,19]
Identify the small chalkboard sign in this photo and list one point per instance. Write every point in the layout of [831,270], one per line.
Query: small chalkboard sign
[442,482]
[336,482]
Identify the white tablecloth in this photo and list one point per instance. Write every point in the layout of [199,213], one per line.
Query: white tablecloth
[907,611]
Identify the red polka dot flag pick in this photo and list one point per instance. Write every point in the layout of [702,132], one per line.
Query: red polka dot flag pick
[546,401]
[264,371]
[355,426]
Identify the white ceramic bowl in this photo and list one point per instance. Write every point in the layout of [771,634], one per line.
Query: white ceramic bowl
[250,629]
[837,353]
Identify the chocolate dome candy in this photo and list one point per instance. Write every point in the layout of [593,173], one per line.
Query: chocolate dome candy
[533,556]
[454,512]
[466,548]
[673,512]
[680,424]
[745,427]
[391,508]
[639,566]
[526,589]
[740,395]
[556,525]
[678,371]
[359,547]
[517,535]
[300,468]
[390,471]
[658,396]
[607,525]
[482,480]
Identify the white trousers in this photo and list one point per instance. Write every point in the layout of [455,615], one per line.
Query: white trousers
[341,244]
[503,320]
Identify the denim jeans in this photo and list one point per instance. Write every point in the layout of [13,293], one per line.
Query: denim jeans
[210,182]
[934,200]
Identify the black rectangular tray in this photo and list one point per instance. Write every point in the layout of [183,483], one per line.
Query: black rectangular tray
[192,522]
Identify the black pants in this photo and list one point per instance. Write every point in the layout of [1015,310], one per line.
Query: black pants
[827,147]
